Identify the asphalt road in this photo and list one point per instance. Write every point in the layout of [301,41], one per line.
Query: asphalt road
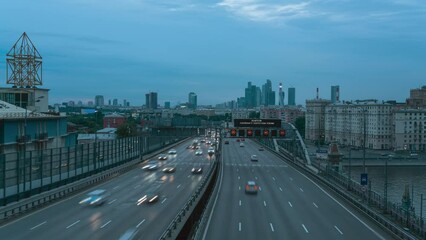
[120,213]
[288,205]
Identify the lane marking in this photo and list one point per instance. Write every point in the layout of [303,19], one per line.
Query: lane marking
[140,223]
[189,176]
[239,226]
[115,187]
[238,170]
[137,186]
[315,205]
[260,189]
[289,203]
[163,200]
[112,201]
[239,187]
[273,178]
[301,189]
[306,230]
[73,224]
[272,227]
[38,225]
[291,179]
[106,224]
[338,230]
[264,203]
[255,178]
[281,189]
[238,177]
[240,202]
[178,186]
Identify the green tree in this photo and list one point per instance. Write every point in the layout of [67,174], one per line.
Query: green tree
[300,125]
[127,129]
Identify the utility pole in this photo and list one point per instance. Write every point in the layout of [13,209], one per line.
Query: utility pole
[365,140]
[385,197]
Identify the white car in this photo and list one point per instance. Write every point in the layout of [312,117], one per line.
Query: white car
[150,166]
[199,152]
[95,198]
[210,150]
[172,151]
[254,158]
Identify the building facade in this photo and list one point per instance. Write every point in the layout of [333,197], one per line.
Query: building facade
[286,114]
[113,120]
[99,101]
[292,96]
[410,130]
[151,100]
[417,98]
[192,100]
[335,94]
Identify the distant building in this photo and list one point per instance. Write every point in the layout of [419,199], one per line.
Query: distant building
[151,100]
[252,96]
[286,114]
[99,101]
[335,94]
[109,102]
[410,131]
[115,102]
[417,98]
[90,103]
[315,119]
[192,100]
[292,96]
[113,120]
[167,105]
[268,96]
[281,96]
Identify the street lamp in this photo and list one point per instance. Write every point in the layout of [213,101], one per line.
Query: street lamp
[385,197]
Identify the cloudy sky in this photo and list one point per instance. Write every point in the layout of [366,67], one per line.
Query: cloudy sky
[125,48]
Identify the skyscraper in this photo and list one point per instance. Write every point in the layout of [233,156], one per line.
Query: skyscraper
[99,101]
[166,105]
[268,96]
[292,96]
[281,95]
[151,100]
[115,102]
[335,94]
[192,100]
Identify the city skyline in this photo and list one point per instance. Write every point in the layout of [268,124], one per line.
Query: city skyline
[374,49]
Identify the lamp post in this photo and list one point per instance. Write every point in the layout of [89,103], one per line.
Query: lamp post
[364,111]
[385,191]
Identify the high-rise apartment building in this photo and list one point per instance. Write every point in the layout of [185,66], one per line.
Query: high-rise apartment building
[151,100]
[335,94]
[192,100]
[99,101]
[250,96]
[166,105]
[292,96]
[115,102]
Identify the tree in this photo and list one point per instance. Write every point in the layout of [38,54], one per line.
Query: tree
[254,115]
[300,125]
[127,129]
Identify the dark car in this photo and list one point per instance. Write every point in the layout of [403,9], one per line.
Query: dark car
[197,170]
[261,149]
[226,142]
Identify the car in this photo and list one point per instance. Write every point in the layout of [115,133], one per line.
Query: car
[150,166]
[241,144]
[199,152]
[226,142]
[149,197]
[162,157]
[238,140]
[197,170]
[210,150]
[169,169]
[254,158]
[251,187]
[95,198]
[261,149]
[172,151]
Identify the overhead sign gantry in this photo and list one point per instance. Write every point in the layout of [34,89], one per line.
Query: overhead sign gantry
[257,128]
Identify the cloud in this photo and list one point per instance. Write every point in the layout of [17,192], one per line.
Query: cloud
[261,12]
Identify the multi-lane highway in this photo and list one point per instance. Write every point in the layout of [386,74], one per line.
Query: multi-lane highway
[120,213]
[287,206]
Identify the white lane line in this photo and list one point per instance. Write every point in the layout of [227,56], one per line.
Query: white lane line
[301,189]
[106,224]
[115,187]
[135,177]
[178,186]
[238,170]
[38,225]
[338,230]
[281,189]
[306,230]
[260,189]
[240,202]
[112,201]
[264,203]
[163,200]
[255,178]
[315,205]
[137,186]
[291,179]
[239,187]
[73,224]
[238,177]
[273,178]
[139,224]
[289,203]
[272,227]
[239,226]
[189,176]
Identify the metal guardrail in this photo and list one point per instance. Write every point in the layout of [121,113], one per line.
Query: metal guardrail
[42,199]
[174,228]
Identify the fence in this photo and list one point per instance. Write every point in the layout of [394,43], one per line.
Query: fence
[24,174]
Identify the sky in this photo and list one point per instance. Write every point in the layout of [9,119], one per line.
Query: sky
[372,49]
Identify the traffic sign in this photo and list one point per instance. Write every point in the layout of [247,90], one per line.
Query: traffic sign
[364,179]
